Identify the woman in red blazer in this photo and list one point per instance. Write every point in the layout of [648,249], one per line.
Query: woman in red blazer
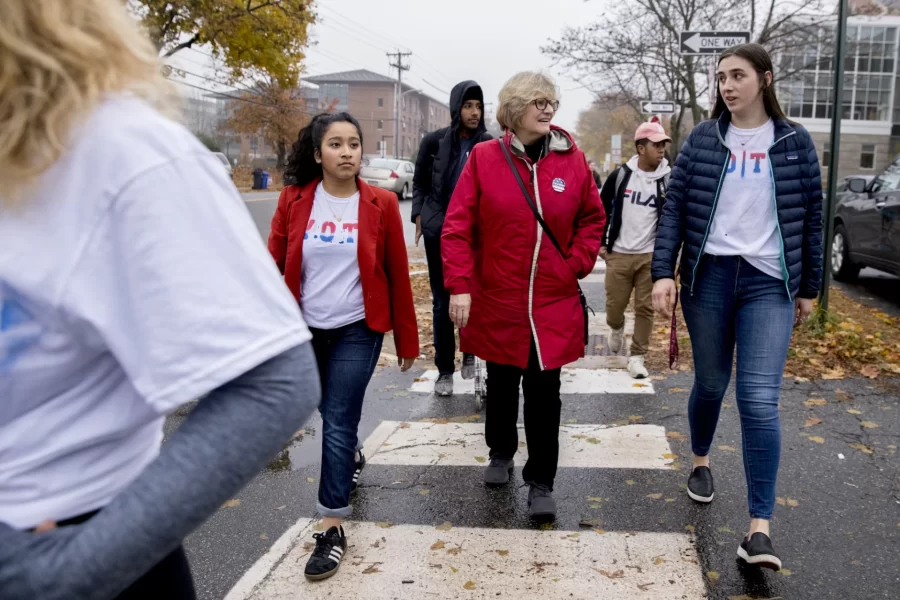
[339,244]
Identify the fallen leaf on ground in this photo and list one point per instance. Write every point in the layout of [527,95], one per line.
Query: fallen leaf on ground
[724,530]
[635,418]
[670,456]
[713,576]
[629,482]
[593,441]
[869,425]
[263,536]
[470,585]
[384,524]
[502,552]
[870,371]
[403,426]
[639,385]
[454,569]
[594,499]
[659,560]
[792,503]
[779,501]
[785,572]
[455,551]
[853,411]
[373,568]
[480,459]
[424,492]
[309,480]
[282,507]
[862,448]
[690,528]
[832,374]
[614,575]
[674,435]
[654,496]
[813,421]
[728,448]
[817,439]
[816,402]
[677,390]
[232,503]
[445,526]
[438,545]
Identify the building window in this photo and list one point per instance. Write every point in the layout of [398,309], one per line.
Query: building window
[379,145]
[404,124]
[826,156]
[381,103]
[867,156]
[380,124]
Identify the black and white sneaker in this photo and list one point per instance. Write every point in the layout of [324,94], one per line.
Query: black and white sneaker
[326,558]
[360,465]
[700,485]
[758,551]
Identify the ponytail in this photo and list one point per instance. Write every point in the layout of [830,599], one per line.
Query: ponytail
[302,167]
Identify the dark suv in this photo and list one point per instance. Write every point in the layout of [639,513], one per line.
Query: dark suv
[867,224]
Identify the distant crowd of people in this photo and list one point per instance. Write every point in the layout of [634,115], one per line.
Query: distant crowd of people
[133,282]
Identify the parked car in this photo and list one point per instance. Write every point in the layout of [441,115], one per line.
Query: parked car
[224,160]
[390,174]
[867,224]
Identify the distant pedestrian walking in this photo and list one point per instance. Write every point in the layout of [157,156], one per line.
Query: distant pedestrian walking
[633,199]
[514,284]
[442,156]
[339,243]
[745,201]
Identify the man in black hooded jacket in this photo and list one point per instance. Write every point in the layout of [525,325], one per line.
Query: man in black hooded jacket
[442,156]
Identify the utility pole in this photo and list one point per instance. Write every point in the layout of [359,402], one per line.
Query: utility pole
[398,95]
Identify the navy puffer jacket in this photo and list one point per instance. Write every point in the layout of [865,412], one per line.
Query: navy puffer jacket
[694,191]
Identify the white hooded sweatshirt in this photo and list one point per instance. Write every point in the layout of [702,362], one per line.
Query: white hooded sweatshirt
[640,215]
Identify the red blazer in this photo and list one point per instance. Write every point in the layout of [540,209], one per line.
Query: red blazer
[383,264]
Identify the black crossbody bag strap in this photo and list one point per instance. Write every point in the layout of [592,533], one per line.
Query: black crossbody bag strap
[537,215]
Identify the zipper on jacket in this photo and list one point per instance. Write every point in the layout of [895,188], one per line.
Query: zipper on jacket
[534,261]
[784,270]
[711,216]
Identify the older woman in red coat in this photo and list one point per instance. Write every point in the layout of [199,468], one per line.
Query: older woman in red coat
[514,294]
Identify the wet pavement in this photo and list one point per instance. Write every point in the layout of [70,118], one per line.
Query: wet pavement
[425,526]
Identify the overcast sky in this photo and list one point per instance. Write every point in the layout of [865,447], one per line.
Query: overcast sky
[489,41]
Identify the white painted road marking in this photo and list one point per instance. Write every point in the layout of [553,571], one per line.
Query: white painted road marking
[418,561]
[462,444]
[574,381]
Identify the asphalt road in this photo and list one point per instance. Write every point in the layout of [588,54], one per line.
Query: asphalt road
[837,524]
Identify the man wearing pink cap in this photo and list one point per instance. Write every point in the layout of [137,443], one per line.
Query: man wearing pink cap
[633,197]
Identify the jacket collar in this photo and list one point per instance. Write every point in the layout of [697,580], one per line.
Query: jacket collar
[366,194]
[557,141]
[782,127]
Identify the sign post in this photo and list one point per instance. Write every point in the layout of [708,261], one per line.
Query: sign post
[616,143]
[658,107]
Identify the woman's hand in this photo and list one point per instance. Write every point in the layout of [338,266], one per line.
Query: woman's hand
[460,305]
[664,291]
[405,364]
[803,308]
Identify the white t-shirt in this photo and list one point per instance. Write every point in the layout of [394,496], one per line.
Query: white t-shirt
[745,223]
[332,294]
[132,281]
[640,214]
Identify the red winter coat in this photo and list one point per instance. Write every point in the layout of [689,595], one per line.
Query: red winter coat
[494,249]
[383,266]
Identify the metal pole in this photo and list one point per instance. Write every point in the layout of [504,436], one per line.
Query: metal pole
[837,112]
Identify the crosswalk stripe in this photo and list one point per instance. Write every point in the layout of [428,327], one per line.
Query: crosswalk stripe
[420,561]
[574,381]
[637,446]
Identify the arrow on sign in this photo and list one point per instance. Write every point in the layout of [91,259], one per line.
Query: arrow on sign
[693,42]
[664,107]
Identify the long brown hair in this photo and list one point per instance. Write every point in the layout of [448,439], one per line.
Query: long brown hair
[759,58]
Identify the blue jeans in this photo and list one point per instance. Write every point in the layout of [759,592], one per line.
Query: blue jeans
[735,304]
[346,358]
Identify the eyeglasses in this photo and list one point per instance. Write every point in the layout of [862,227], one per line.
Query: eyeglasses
[543,103]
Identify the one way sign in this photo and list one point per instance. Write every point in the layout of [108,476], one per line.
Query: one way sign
[658,107]
[699,43]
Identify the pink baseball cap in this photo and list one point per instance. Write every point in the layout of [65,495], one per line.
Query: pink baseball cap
[652,131]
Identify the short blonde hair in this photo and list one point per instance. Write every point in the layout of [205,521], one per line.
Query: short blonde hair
[521,90]
[58,60]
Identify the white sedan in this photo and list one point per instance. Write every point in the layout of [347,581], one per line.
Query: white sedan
[390,174]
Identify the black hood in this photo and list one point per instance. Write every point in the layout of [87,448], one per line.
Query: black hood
[457,94]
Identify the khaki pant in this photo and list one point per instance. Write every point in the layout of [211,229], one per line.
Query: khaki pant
[624,273]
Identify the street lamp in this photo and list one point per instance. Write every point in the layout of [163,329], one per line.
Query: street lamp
[837,113]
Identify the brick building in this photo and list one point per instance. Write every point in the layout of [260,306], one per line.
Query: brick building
[370,97]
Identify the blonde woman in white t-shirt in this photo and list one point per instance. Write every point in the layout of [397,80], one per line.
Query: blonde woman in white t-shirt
[132,281]
[745,202]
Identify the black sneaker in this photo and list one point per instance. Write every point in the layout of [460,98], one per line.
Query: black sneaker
[444,385]
[700,485]
[499,471]
[326,558]
[541,505]
[468,366]
[758,551]
[360,465]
